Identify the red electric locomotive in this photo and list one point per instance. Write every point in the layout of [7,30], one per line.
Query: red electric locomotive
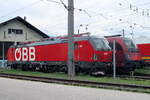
[127,54]
[92,55]
[145,53]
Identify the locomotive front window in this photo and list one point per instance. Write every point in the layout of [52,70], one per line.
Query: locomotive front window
[130,45]
[101,44]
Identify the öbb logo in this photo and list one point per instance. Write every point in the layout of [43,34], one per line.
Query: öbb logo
[25,54]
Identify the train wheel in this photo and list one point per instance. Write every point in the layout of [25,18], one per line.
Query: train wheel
[77,69]
[23,67]
[13,66]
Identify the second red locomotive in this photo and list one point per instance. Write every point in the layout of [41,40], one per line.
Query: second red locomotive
[128,56]
[144,49]
[92,55]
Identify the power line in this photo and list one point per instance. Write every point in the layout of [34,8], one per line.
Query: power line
[53,1]
[61,2]
[19,9]
[27,6]
[64,4]
[83,10]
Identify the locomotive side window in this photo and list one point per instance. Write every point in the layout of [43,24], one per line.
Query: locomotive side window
[129,43]
[101,44]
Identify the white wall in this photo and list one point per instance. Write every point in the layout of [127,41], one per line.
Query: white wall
[31,35]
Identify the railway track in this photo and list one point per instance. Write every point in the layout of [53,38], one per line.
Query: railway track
[142,74]
[140,77]
[134,77]
[76,82]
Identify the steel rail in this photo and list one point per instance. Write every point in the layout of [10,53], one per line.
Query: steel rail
[75,82]
[137,77]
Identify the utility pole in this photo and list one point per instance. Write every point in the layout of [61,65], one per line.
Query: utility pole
[114,59]
[3,54]
[3,50]
[123,32]
[71,66]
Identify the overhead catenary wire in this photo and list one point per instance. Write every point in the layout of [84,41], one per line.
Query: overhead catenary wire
[101,14]
[20,9]
[26,6]
[53,1]
[87,12]
[66,7]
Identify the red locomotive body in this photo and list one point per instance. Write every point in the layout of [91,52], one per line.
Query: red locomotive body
[91,55]
[145,53]
[127,54]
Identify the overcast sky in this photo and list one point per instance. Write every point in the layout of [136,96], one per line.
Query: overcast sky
[101,17]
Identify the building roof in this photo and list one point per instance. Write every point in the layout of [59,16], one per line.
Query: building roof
[27,24]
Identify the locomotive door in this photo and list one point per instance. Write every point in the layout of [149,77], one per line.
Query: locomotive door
[76,52]
[120,57]
[81,51]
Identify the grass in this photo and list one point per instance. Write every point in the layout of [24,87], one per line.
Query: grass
[80,77]
[117,80]
[145,70]
[20,72]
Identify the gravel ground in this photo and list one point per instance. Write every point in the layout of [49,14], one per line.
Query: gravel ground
[11,89]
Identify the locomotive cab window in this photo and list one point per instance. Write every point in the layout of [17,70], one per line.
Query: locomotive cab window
[130,45]
[100,44]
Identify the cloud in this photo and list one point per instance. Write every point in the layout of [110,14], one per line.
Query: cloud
[106,16]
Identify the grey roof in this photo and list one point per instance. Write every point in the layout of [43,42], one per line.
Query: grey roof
[27,24]
[54,41]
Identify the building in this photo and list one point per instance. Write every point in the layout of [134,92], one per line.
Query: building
[17,30]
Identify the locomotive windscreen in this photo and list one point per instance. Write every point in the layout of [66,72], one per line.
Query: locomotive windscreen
[130,45]
[101,44]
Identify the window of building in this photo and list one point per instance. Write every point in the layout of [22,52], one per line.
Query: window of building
[9,31]
[15,31]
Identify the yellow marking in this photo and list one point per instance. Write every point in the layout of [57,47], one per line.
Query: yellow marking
[145,58]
